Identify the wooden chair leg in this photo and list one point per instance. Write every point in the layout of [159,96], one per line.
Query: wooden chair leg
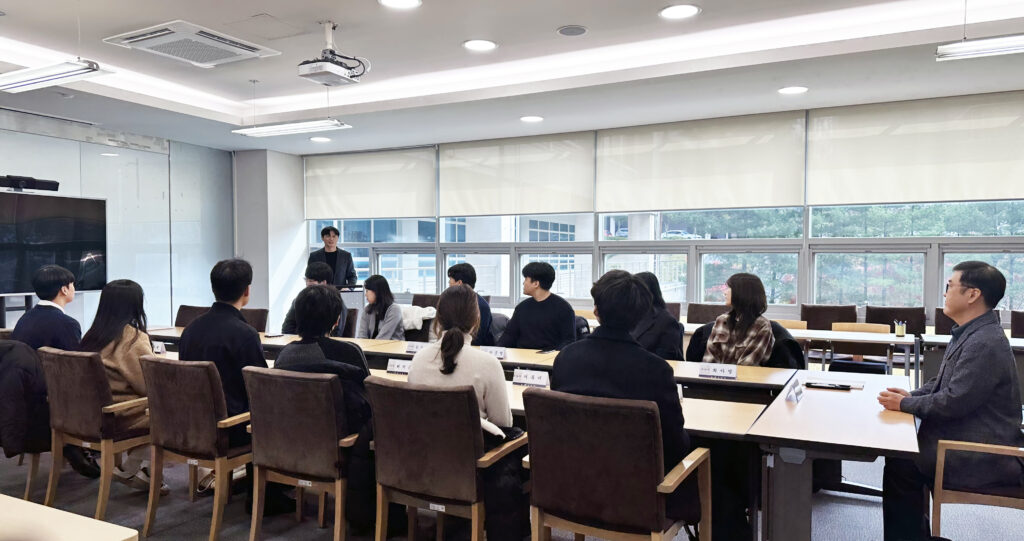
[578,537]
[106,476]
[381,533]
[33,470]
[321,514]
[156,477]
[339,510]
[704,487]
[221,488]
[193,482]
[299,493]
[440,527]
[536,524]
[477,517]
[57,464]
[936,517]
[259,487]
[21,459]
[411,513]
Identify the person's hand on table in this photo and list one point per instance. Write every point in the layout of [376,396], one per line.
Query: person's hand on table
[891,397]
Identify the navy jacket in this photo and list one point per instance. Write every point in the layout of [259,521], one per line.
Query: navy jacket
[344,272]
[47,326]
[661,334]
[483,335]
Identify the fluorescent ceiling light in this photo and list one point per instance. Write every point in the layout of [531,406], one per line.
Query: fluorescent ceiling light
[401,4]
[531,118]
[681,11]
[44,76]
[320,139]
[977,48]
[480,45]
[792,90]
[293,127]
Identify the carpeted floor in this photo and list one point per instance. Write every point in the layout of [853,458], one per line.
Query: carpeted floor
[837,517]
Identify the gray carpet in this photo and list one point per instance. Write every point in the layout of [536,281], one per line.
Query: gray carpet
[837,517]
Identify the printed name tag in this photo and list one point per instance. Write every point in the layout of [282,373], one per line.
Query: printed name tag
[399,366]
[437,507]
[159,348]
[413,347]
[532,378]
[717,371]
[192,462]
[493,350]
[796,392]
[303,483]
[679,389]
[86,445]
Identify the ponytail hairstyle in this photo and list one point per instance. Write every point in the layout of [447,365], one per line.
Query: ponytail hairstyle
[748,302]
[459,314]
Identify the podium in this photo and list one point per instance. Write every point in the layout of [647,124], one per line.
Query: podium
[353,296]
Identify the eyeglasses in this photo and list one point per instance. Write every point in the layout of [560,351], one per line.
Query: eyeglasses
[961,286]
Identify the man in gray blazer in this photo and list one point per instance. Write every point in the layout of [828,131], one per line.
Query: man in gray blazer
[975,397]
[339,260]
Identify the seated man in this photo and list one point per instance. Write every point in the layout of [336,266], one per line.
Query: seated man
[316,274]
[46,324]
[544,321]
[464,273]
[975,397]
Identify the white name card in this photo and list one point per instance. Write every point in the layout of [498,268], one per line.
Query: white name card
[399,366]
[192,462]
[498,352]
[305,483]
[716,371]
[796,392]
[159,348]
[413,347]
[437,507]
[531,378]
[679,389]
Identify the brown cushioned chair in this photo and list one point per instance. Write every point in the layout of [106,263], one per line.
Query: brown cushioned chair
[914,316]
[189,424]
[423,300]
[943,323]
[821,317]
[83,413]
[430,451]
[298,439]
[1016,324]
[350,323]
[187,314]
[1009,496]
[5,334]
[704,313]
[860,349]
[422,334]
[674,308]
[257,317]
[597,469]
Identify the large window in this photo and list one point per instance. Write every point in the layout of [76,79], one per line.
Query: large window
[967,219]
[573,273]
[777,271]
[409,273]
[774,223]
[862,279]
[491,272]
[1011,264]
[669,268]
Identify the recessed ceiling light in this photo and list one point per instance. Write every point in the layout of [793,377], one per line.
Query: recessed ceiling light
[109,154]
[531,118]
[680,11]
[401,4]
[572,30]
[480,45]
[792,90]
[320,139]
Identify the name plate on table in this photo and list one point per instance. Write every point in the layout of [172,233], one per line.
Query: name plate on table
[159,348]
[531,378]
[716,371]
[413,347]
[498,352]
[795,393]
[399,366]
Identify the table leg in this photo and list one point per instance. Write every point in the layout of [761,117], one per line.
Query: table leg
[789,505]
[917,362]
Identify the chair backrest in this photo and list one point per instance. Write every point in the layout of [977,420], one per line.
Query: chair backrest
[5,334]
[297,420]
[187,314]
[350,323]
[914,316]
[498,324]
[186,400]
[426,439]
[487,299]
[786,353]
[1016,324]
[424,300]
[699,343]
[422,334]
[674,308]
[857,348]
[585,314]
[943,323]
[78,389]
[791,323]
[596,460]
[822,316]
[257,317]
[704,313]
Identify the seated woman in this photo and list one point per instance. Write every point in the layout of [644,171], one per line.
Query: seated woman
[658,332]
[451,362]
[381,317]
[742,335]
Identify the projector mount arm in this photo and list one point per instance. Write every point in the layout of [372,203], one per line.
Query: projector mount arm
[348,62]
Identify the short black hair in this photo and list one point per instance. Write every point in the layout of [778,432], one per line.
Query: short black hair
[986,278]
[329,229]
[49,279]
[621,300]
[317,309]
[463,272]
[319,271]
[229,278]
[541,272]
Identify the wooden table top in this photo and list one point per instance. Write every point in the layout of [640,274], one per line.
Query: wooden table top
[842,336]
[850,421]
[27,520]
[746,376]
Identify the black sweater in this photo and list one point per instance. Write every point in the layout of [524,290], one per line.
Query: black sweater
[48,326]
[549,324]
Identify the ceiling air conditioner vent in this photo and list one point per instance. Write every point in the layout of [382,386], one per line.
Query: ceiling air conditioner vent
[190,43]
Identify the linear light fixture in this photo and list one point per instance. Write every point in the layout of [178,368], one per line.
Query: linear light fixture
[293,127]
[977,48]
[56,74]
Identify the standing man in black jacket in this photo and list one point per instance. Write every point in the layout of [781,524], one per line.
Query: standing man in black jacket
[339,260]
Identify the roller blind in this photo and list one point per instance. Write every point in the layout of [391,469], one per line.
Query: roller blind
[385,184]
[949,149]
[736,162]
[545,174]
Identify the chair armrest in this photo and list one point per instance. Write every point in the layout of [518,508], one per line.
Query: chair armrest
[348,441]
[121,406]
[248,428]
[972,447]
[683,470]
[233,421]
[526,462]
[500,452]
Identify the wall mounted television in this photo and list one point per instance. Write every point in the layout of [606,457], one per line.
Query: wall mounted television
[37,230]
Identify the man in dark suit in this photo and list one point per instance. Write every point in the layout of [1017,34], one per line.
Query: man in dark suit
[339,260]
[975,397]
[46,324]
[464,273]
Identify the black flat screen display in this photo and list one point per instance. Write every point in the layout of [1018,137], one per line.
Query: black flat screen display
[37,230]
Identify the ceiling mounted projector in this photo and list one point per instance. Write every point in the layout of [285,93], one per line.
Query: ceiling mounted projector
[333,68]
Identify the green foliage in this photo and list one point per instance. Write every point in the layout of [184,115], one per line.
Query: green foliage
[778,272]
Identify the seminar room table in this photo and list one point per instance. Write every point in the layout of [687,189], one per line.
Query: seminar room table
[831,424]
[20,519]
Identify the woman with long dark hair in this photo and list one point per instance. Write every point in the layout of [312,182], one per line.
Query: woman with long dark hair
[658,332]
[381,317]
[742,335]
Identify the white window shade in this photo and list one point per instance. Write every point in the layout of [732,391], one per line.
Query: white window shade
[385,184]
[736,162]
[546,174]
[949,149]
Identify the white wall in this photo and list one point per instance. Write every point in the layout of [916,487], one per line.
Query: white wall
[250,190]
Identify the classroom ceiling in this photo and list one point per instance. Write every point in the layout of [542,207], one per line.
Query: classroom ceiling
[631,67]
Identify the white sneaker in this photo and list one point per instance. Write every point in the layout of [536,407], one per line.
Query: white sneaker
[140,481]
